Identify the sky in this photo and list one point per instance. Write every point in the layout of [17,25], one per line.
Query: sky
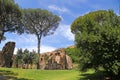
[68,11]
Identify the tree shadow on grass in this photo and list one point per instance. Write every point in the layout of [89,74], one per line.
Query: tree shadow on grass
[99,75]
[6,75]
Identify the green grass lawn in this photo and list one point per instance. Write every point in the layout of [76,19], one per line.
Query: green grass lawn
[30,74]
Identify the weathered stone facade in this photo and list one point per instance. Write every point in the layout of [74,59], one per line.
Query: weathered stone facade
[57,59]
[6,54]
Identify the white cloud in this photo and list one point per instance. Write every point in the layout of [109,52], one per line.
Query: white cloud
[24,38]
[69,35]
[64,30]
[27,38]
[61,18]
[56,8]
[47,48]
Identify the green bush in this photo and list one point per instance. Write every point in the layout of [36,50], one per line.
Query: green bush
[74,54]
[97,35]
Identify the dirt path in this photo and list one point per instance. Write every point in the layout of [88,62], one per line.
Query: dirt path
[4,77]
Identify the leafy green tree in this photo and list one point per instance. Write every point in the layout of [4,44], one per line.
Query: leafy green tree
[34,57]
[97,35]
[29,57]
[74,53]
[25,57]
[10,18]
[19,57]
[40,23]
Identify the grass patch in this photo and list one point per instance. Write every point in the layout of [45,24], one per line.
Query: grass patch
[33,74]
[91,74]
[30,74]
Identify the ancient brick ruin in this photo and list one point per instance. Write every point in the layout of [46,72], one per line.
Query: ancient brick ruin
[6,54]
[57,59]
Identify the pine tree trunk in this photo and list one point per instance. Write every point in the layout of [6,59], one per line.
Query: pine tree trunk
[39,42]
[1,36]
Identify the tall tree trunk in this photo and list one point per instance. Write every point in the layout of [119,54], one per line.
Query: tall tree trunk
[39,42]
[1,36]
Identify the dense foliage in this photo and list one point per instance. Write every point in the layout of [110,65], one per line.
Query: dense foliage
[25,57]
[10,18]
[97,35]
[74,53]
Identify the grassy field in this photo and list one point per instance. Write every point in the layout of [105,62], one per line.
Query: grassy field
[30,74]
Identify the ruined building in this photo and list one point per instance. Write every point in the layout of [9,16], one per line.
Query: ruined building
[6,54]
[57,59]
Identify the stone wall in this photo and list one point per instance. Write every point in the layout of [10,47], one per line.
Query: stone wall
[57,59]
[6,54]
